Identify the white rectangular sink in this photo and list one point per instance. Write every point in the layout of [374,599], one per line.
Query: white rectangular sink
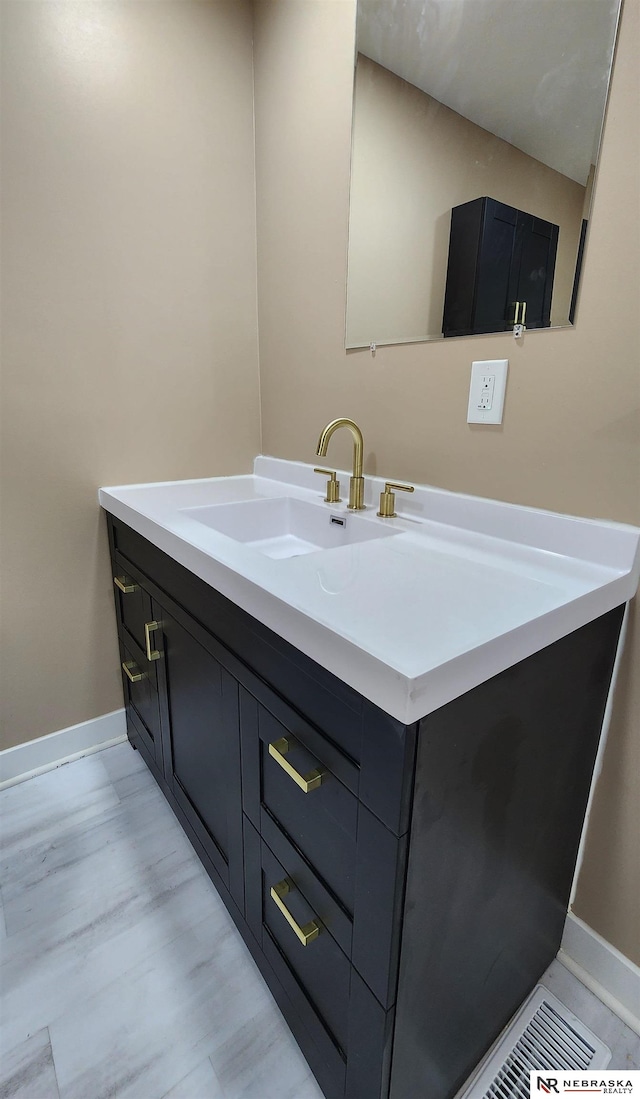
[411,611]
[287,527]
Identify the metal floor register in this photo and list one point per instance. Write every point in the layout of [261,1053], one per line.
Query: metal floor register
[543,1035]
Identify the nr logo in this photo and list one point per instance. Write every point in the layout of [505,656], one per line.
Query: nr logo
[547,1084]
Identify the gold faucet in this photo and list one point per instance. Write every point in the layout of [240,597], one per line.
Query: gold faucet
[356,484]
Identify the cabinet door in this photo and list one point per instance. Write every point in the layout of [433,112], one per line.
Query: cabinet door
[492,295]
[533,268]
[481,246]
[199,700]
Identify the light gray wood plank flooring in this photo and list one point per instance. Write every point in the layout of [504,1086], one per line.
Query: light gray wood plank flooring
[122,975]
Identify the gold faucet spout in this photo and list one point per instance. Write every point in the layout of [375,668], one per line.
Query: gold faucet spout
[356,484]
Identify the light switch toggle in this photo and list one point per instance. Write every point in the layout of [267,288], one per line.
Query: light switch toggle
[486,392]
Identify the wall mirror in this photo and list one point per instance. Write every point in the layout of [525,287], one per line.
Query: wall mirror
[489,108]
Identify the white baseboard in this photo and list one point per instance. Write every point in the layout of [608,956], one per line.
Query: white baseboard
[613,978]
[37,756]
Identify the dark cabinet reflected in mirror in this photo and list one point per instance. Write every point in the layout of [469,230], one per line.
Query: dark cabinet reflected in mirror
[476,128]
[500,269]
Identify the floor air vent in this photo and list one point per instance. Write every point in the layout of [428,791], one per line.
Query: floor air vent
[544,1034]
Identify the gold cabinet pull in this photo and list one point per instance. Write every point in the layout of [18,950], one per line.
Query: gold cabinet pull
[126,586]
[278,751]
[127,666]
[306,934]
[519,318]
[149,627]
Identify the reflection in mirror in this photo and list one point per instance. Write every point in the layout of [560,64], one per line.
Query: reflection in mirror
[491,108]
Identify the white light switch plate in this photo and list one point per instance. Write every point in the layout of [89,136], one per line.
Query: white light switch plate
[486,392]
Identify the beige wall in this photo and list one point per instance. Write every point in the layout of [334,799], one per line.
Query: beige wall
[412,160]
[129,336]
[129,308]
[571,435]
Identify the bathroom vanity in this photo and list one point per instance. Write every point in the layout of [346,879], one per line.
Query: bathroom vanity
[381,746]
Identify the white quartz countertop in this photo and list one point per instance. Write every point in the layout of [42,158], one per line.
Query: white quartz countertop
[465,588]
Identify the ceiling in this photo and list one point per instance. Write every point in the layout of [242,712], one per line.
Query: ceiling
[533,72]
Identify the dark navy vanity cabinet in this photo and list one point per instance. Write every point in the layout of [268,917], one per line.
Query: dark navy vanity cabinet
[401,888]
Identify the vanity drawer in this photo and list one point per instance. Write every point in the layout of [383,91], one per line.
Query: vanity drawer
[315,976]
[332,914]
[320,966]
[134,613]
[342,1028]
[294,777]
[141,700]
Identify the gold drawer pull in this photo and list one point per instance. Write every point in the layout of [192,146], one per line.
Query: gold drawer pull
[149,627]
[125,585]
[306,783]
[306,934]
[135,677]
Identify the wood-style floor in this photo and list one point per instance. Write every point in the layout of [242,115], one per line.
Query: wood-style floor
[122,976]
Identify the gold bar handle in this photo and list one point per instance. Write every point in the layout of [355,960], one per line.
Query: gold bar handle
[135,677]
[524,312]
[278,751]
[126,586]
[149,627]
[306,934]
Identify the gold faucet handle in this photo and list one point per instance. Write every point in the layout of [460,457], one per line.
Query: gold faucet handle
[333,486]
[388,499]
